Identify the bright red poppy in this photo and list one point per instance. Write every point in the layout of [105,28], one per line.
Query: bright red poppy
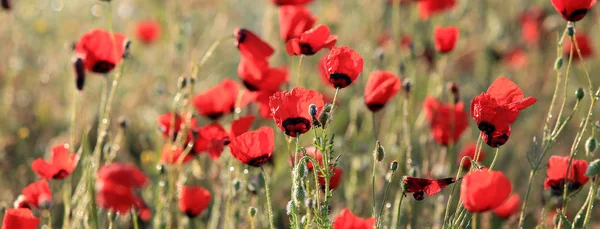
[343,66]
[420,187]
[240,126]
[335,180]
[311,41]
[61,165]
[381,87]
[469,150]
[294,20]
[217,101]
[19,218]
[290,109]
[311,151]
[573,10]
[172,155]
[509,207]
[148,31]
[585,46]
[37,195]
[531,24]
[116,186]
[193,200]
[483,190]
[323,71]
[448,121]
[211,138]
[255,147]
[251,46]
[98,51]
[557,174]
[290,2]
[347,220]
[257,75]
[428,8]
[445,38]
[516,58]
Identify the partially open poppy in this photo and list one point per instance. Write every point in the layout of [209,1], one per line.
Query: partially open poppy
[172,155]
[509,207]
[257,75]
[240,126]
[335,180]
[37,195]
[217,101]
[445,38]
[211,138]
[148,31]
[420,187]
[447,121]
[343,66]
[98,51]
[428,8]
[311,41]
[254,148]
[116,186]
[469,150]
[573,10]
[347,220]
[557,175]
[294,20]
[483,190]
[290,2]
[193,200]
[19,218]
[583,42]
[251,46]
[290,109]
[61,165]
[381,87]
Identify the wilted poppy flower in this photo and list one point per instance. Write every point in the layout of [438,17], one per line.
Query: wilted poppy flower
[531,24]
[347,220]
[381,87]
[483,190]
[573,10]
[496,109]
[251,46]
[290,109]
[116,186]
[193,200]
[447,121]
[335,180]
[98,51]
[255,147]
[240,126]
[257,75]
[217,101]
[290,2]
[343,66]
[211,138]
[509,207]
[148,31]
[516,58]
[37,195]
[311,41]
[294,20]
[311,151]
[172,155]
[428,8]
[61,165]
[19,218]
[420,187]
[469,151]
[584,43]
[445,38]
[557,174]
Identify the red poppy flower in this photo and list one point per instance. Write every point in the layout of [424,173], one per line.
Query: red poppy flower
[311,41]
[323,71]
[255,147]
[218,100]
[531,24]
[428,8]
[290,2]
[381,87]
[98,51]
[584,43]
[165,120]
[144,212]
[335,180]
[241,125]
[257,75]
[172,155]
[347,220]
[61,165]
[469,151]
[294,20]
[19,218]
[445,38]
[148,31]
[447,121]
[290,109]
[573,10]
[37,195]
[496,109]
[420,187]
[343,66]
[313,152]
[483,190]
[193,200]
[116,186]
[497,138]
[516,58]
[557,174]
[251,46]
[509,207]
[211,138]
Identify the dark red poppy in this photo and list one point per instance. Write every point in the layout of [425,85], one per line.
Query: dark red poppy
[116,186]
[165,122]
[311,151]
[343,66]
[448,121]
[335,180]
[241,125]
[294,20]
[61,165]
[251,46]
[255,147]
[420,187]
[516,58]
[573,10]
[290,2]
[19,218]
[347,220]
[509,207]
[148,31]
[496,109]
[211,138]
[217,101]
[37,195]
[172,155]
[531,24]
[311,41]
[428,8]
[445,38]
[323,71]
[584,43]
[290,109]
[193,200]
[557,174]
[257,75]
[469,150]
[381,87]
[98,51]
[483,190]
[497,138]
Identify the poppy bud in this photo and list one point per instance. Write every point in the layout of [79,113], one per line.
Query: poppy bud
[455,92]
[5,4]
[126,51]
[312,110]
[570,30]
[379,152]
[302,170]
[591,145]
[394,166]
[300,194]
[252,211]
[558,63]
[123,122]
[79,73]
[182,82]
[593,169]
[579,93]
[237,184]
[407,85]
[325,114]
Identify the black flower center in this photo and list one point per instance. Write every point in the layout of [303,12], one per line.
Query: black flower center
[103,67]
[340,80]
[306,49]
[258,161]
[295,126]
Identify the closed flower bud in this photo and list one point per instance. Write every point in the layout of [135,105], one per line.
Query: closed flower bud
[407,86]
[325,114]
[394,166]
[379,152]
[558,63]
[591,145]
[312,110]
[302,170]
[126,51]
[252,211]
[237,184]
[579,93]
[79,73]
[593,169]
[183,81]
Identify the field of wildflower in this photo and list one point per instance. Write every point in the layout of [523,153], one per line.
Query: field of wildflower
[342,114]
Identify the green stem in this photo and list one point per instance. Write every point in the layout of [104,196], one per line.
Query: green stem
[591,196]
[271,221]
[387,188]
[299,68]
[494,160]
[373,188]
[398,218]
[134,218]
[211,50]
[524,207]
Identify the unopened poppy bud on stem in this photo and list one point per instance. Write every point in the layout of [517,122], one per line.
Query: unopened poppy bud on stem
[558,63]
[379,152]
[591,145]
[394,166]
[407,86]
[455,91]
[579,93]
[252,211]
[570,30]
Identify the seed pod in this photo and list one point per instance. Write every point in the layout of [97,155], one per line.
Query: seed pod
[579,93]
[591,145]
[79,73]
